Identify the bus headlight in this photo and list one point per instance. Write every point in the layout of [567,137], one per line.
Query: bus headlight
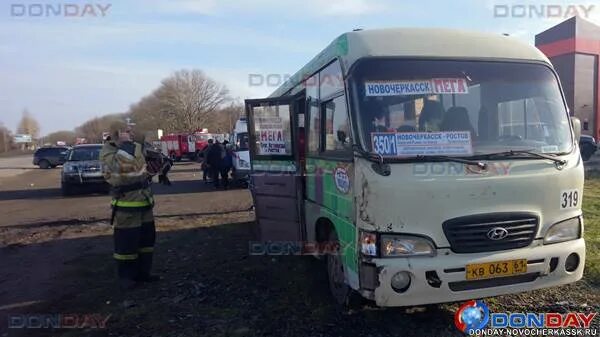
[564,231]
[405,245]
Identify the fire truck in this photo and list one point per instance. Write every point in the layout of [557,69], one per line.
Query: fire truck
[184,145]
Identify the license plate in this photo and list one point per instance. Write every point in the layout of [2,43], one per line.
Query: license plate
[496,269]
[92,174]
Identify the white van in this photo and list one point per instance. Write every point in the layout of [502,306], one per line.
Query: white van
[241,159]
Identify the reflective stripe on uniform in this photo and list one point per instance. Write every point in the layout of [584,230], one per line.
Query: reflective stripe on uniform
[146,250]
[125,257]
[124,203]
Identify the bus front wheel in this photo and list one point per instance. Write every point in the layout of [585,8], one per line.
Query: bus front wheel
[343,295]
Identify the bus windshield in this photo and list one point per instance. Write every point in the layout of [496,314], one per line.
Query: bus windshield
[412,108]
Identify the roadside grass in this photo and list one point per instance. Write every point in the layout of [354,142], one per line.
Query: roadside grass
[591,213]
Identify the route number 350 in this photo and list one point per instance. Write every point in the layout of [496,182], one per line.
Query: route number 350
[569,199]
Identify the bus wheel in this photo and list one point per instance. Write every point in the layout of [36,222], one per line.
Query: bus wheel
[343,295]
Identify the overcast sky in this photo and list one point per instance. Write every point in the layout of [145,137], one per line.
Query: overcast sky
[66,70]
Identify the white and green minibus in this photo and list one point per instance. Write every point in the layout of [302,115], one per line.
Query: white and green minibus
[443,164]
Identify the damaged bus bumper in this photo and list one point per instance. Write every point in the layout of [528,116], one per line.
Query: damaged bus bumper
[443,278]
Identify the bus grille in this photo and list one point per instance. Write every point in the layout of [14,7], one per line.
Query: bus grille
[470,234]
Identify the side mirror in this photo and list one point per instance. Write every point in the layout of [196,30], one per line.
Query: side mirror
[576,127]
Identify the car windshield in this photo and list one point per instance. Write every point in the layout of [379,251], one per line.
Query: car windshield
[433,107]
[85,153]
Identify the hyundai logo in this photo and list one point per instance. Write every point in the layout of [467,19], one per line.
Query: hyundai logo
[497,233]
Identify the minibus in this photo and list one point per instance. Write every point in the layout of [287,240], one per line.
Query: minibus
[406,151]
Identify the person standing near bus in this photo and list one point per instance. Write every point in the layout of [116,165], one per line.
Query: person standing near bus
[128,166]
[226,165]
[213,159]
[204,165]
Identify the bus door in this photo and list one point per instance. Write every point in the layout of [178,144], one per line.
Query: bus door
[276,174]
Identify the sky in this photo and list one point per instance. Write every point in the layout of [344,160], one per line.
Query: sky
[67,69]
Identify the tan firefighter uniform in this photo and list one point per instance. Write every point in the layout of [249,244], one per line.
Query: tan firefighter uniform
[124,168]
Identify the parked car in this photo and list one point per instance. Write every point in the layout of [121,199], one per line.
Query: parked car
[587,146]
[83,168]
[50,157]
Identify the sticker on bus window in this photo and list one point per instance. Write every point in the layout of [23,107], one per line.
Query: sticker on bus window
[270,133]
[417,87]
[405,144]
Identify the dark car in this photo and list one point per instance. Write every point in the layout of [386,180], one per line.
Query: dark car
[83,169]
[587,146]
[49,157]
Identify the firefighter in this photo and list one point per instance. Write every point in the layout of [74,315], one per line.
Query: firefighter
[128,166]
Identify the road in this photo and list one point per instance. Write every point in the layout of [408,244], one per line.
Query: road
[13,166]
[34,196]
[41,231]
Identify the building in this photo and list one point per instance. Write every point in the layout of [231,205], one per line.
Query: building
[573,47]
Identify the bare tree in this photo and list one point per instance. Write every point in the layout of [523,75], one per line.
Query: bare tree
[148,116]
[28,125]
[189,99]
[225,118]
[6,139]
[66,136]
[186,101]
[92,129]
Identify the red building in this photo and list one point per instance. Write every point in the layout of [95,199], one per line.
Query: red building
[573,47]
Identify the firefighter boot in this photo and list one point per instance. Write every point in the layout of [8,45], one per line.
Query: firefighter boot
[146,250]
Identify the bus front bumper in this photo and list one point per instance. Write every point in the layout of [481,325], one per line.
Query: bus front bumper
[442,278]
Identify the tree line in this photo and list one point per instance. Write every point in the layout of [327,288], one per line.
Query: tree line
[186,101]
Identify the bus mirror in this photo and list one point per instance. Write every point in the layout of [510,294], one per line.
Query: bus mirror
[576,127]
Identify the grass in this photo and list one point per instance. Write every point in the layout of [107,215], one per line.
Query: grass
[591,212]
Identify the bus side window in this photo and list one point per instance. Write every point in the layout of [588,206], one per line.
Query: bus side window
[337,125]
[314,129]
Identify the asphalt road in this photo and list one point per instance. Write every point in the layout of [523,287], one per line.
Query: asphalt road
[13,166]
[31,195]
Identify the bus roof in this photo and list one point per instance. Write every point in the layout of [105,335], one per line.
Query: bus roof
[414,42]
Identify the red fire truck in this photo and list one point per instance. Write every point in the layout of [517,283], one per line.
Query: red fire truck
[184,145]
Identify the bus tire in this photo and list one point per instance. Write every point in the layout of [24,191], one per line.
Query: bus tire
[344,296]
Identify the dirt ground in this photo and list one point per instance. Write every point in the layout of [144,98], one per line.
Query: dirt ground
[55,258]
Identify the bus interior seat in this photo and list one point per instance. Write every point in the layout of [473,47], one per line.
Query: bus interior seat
[457,119]
[483,123]
[406,128]
[432,110]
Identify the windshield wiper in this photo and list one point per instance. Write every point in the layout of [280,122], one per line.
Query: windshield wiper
[377,158]
[516,153]
[436,158]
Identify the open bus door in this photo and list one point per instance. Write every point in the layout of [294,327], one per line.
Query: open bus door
[276,176]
